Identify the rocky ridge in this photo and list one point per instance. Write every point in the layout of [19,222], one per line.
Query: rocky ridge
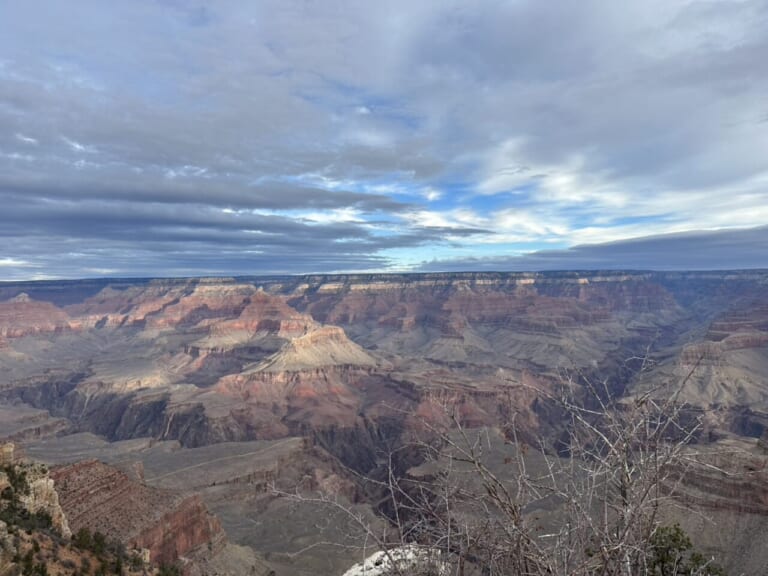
[101,498]
[38,495]
[21,316]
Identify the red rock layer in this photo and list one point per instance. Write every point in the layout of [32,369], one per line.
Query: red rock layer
[268,314]
[113,307]
[22,316]
[736,483]
[163,304]
[317,397]
[744,326]
[747,317]
[99,497]
[218,307]
[181,530]
[205,302]
[518,303]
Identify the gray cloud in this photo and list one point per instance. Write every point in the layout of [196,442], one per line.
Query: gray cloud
[146,136]
[697,250]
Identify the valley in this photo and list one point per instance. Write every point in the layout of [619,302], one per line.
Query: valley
[208,403]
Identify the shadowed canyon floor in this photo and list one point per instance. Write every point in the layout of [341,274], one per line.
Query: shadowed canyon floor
[236,388]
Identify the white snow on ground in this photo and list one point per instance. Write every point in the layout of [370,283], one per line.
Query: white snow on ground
[408,559]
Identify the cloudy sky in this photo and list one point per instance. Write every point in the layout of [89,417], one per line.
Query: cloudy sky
[165,138]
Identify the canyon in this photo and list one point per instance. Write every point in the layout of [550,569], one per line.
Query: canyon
[199,406]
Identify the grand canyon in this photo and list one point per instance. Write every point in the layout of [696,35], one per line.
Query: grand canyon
[197,419]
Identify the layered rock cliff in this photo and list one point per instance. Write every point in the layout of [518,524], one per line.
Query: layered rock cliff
[21,316]
[721,366]
[169,524]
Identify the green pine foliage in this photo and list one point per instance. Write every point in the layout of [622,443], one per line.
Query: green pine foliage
[672,554]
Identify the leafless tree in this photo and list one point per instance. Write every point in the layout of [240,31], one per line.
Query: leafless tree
[589,504]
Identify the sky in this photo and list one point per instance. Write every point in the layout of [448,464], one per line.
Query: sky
[174,138]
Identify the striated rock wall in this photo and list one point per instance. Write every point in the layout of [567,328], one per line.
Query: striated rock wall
[180,531]
[318,348]
[21,316]
[743,326]
[267,313]
[127,306]
[341,295]
[101,498]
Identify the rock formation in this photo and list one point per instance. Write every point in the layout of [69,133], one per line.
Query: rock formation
[169,524]
[21,316]
[7,549]
[43,497]
[37,493]
[7,454]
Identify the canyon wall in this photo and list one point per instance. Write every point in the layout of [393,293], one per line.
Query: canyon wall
[167,523]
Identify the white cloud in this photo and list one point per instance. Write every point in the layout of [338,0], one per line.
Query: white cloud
[26,139]
[332,216]
[78,147]
[17,156]
[186,171]
[14,262]
[442,219]
[369,137]
[506,169]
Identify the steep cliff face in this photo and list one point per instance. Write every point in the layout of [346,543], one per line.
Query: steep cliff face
[742,326]
[168,304]
[34,491]
[125,306]
[161,358]
[21,316]
[348,299]
[43,497]
[510,320]
[201,304]
[34,528]
[266,313]
[321,347]
[167,523]
[180,531]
